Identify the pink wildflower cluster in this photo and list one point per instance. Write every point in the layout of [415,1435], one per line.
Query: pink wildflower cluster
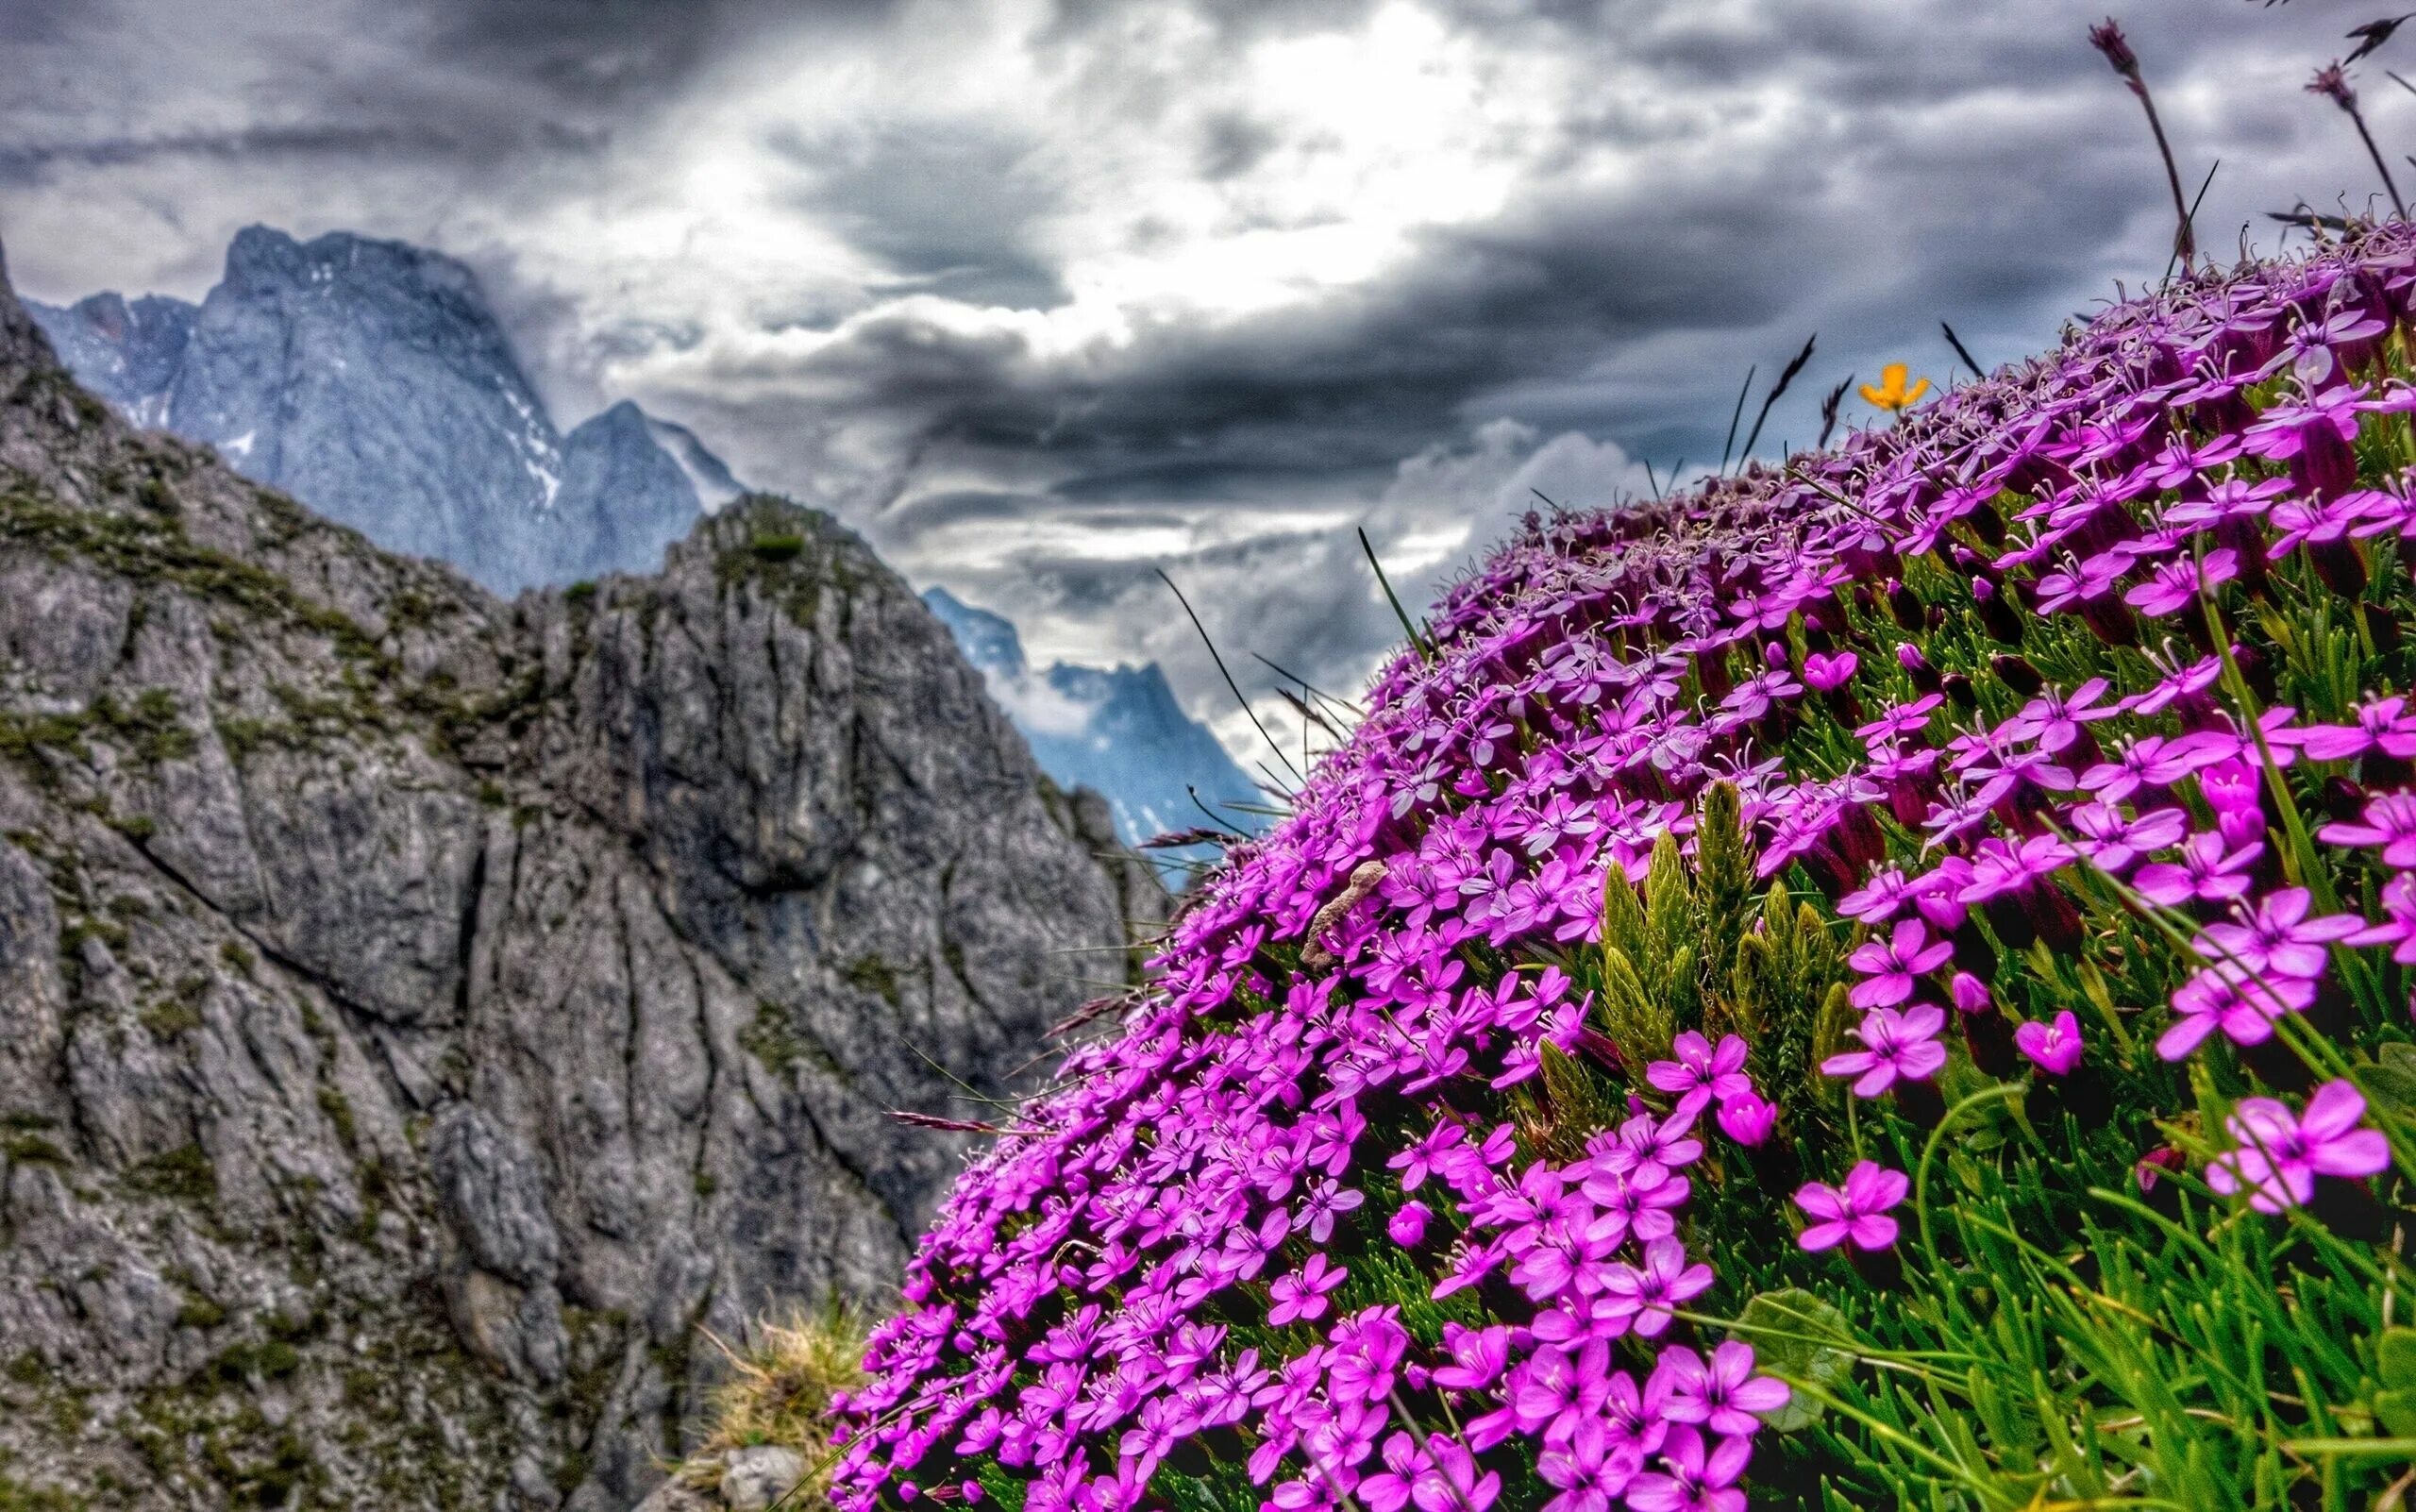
[1266,1137]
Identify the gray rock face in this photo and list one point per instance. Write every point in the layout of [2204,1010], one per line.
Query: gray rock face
[370,380]
[420,1015]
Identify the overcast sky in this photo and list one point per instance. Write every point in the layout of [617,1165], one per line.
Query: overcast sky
[1042,296]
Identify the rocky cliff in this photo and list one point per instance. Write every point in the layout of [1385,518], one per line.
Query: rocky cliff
[423,1018]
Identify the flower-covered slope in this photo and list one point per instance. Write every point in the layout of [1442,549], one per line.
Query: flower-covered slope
[1970,860]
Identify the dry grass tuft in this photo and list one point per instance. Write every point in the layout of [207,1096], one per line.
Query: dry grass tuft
[784,1376]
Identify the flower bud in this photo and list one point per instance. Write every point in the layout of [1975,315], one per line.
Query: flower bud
[2108,37]
[1904,606]
[2017,673]
[1748,1118]
[1971,994]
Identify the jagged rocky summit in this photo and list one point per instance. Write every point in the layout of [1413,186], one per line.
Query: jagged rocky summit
[370,380]
[1116,729]
[423,1018]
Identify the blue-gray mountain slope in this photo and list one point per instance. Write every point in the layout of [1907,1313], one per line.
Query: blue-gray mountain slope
[1116,729]
[371,379]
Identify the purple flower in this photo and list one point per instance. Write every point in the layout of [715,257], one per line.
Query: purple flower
[1825,671]
[1905,719]
[1855,1211]
[1969,993]
[2388,821]
[2313,435]
[1748,1118]
[2244,1010]
[1452,1482]
[2000,867]
[1478,1357]
[2055,720]
[1693,1482]
[1889,967]
[2084,583]
[2280,1156]
[2056,1047]
[1880,898]
[2108,37]
[1646,1293]
[1407,1228]
[2112,841]
[2175,585]
[1701,1074]
[1326,1200]
[1896,1044]
[2236,791]
[1302,1295]
[1721,1394]
[2209,871]
[1423,1156]
[2398,928]
[1552,1392]
[2277,937]
[1589,1470]
[1390,1489]
[2153,761]
[2381,723]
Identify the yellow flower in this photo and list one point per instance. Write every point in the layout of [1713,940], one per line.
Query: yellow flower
[1889,393]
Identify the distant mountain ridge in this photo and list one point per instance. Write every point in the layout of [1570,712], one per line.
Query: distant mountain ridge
[371,378]
[1116,729]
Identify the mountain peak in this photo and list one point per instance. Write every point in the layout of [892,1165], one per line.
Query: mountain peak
[264,254]
[370,380]
[989,641]
[1119,729]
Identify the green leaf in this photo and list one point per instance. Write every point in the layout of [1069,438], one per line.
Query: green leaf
[2392,1079]
[2397,1410]
[1789,1331]
[2397,1358]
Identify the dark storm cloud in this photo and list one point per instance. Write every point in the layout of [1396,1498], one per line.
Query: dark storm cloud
[1233,142]
[1726,180]
[618,54]
[949,205]
[25,163]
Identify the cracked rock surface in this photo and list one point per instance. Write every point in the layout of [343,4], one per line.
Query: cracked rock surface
[423,1017]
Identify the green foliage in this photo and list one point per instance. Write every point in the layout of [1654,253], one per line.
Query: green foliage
[183,1174]
[1692,952]
[1795,1334]
[871,973]
[24,1147]
[16,1496]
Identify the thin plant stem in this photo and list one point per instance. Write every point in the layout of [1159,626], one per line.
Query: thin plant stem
[2184,239]
[1228,676]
